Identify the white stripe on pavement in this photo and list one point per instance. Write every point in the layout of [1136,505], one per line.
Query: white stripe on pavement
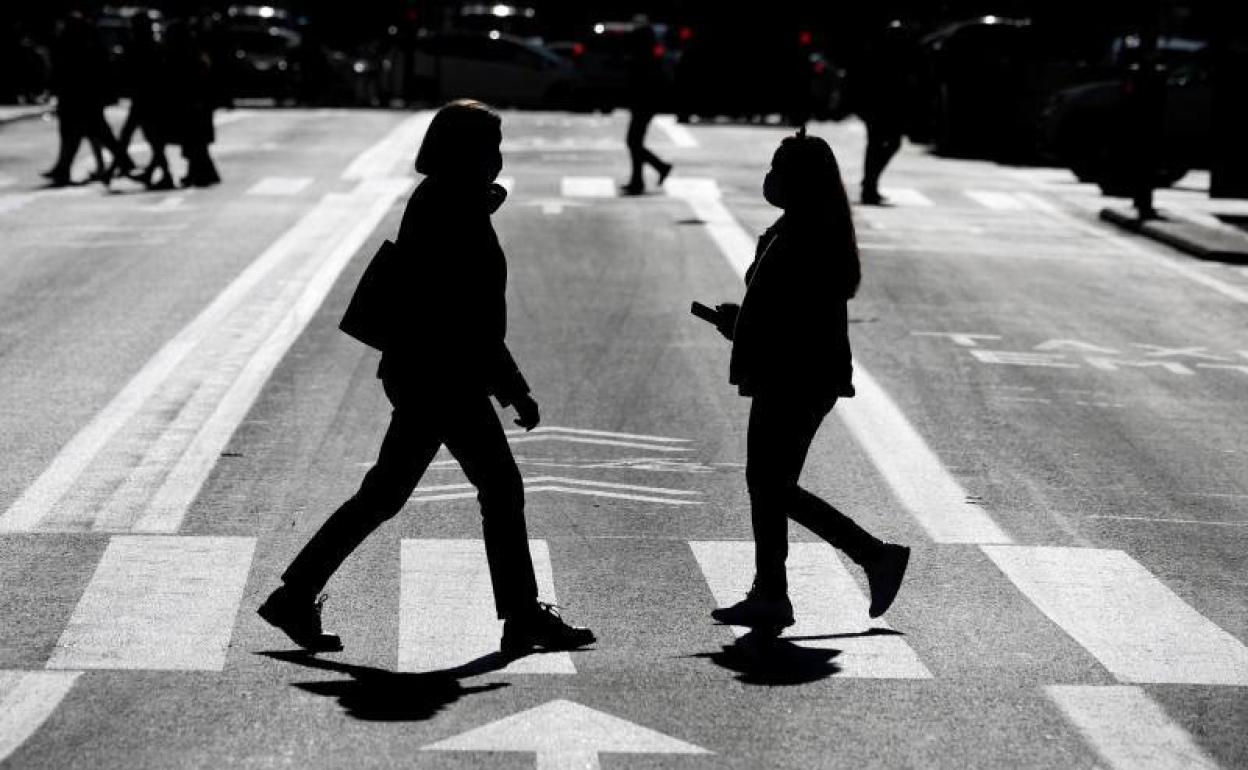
[1123,615]
[588,187]
[27,699]
[601,433]
[446,607]
[676,133]
[830,609]
[158,603]
[917,477]
[277,186]
[1127,729]
[996,200]
[906,196]
[399,146]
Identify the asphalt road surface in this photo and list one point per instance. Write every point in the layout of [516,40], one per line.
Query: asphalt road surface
[1051,414]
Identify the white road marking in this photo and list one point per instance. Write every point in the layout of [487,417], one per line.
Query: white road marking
[585,487]
[599,433]
[565,736]
[830,609]
[594,441]
[917,477]
[1124,616]
[588,187]
[158,603]
[171,203]
[233,116]
[399,146]
[27,699]
[906,196]
[676,133]
[996,200]
[1155,520]
[446,608]
[279,186]
[176,414]
[1128,729]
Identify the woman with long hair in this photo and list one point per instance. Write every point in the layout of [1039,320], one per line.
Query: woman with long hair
[444,360]
[791,356]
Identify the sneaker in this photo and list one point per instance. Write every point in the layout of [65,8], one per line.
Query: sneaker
[757,610]
[884,575]
[299,619]
[543,629]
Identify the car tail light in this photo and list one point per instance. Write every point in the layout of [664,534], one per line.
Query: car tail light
[660,51]
[820,68]
[805,38]
[578,50]
[685,34]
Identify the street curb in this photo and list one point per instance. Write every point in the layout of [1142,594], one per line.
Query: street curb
[1189,237]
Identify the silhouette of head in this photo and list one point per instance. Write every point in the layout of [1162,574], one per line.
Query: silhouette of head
[463,143]
[804,173]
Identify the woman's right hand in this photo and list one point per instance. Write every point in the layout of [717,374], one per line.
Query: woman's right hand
[727,318]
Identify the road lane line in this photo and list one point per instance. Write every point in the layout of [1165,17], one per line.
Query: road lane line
[1123,615]
[676,133]
[27,699]
[399,146]
[158,603]
[912,470]
[906,196]
[600,433]
[588,187]
[830,609]
[278,186]
[446,607]
[1128,729]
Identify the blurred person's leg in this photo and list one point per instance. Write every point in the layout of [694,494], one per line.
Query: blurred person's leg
[883,142]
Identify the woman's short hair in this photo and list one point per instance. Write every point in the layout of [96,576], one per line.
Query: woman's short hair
[461,137]
[808,164]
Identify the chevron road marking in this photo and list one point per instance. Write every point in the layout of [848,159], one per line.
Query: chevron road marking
[1123,615]
[446,609]
[913,471]
[442,492]
[1128,729]
[158,603]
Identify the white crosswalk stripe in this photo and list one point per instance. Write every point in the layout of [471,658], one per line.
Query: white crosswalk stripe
[162,603]
[27,699]
[280,186]
[906,196]
[1122,614]
[446,609]
[829,608]
[1128,729]
[997,200]
[588,187]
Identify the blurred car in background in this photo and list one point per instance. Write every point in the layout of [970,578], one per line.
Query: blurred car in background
[515,20]
[25,68]
[261,43]
[746,70]
[603,57]
[494,67]
[115,25]
[1084,127]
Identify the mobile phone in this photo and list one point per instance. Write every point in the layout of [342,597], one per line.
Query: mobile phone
[705,313]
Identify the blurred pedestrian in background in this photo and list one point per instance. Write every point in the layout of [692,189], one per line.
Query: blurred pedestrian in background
[148,110]
[646,85]
[883,90]
[791,356]
[192,96]
[80,81]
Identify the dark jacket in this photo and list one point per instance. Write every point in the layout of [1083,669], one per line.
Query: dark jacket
[791,336]
[454,309]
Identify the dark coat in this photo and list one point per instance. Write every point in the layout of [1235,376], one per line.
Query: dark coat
[454,308]
[791,336]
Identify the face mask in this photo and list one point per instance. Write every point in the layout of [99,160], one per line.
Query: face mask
[772,190]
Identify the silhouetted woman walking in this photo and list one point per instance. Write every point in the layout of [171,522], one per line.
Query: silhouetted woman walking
[791,355]
[445,360]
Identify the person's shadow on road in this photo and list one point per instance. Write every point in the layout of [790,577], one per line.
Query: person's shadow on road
[761,659]
[377,695]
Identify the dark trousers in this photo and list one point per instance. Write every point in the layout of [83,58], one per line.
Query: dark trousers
[469,427]
[638,124]
[780,433]
[78,123]
[883,142]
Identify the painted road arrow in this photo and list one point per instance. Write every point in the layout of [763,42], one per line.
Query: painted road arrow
[565,735]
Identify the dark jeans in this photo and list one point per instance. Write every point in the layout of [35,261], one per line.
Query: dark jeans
[638,124]
[469,427]
[883,142]
[781,431]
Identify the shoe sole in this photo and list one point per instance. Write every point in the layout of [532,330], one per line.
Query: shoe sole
[514,648]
